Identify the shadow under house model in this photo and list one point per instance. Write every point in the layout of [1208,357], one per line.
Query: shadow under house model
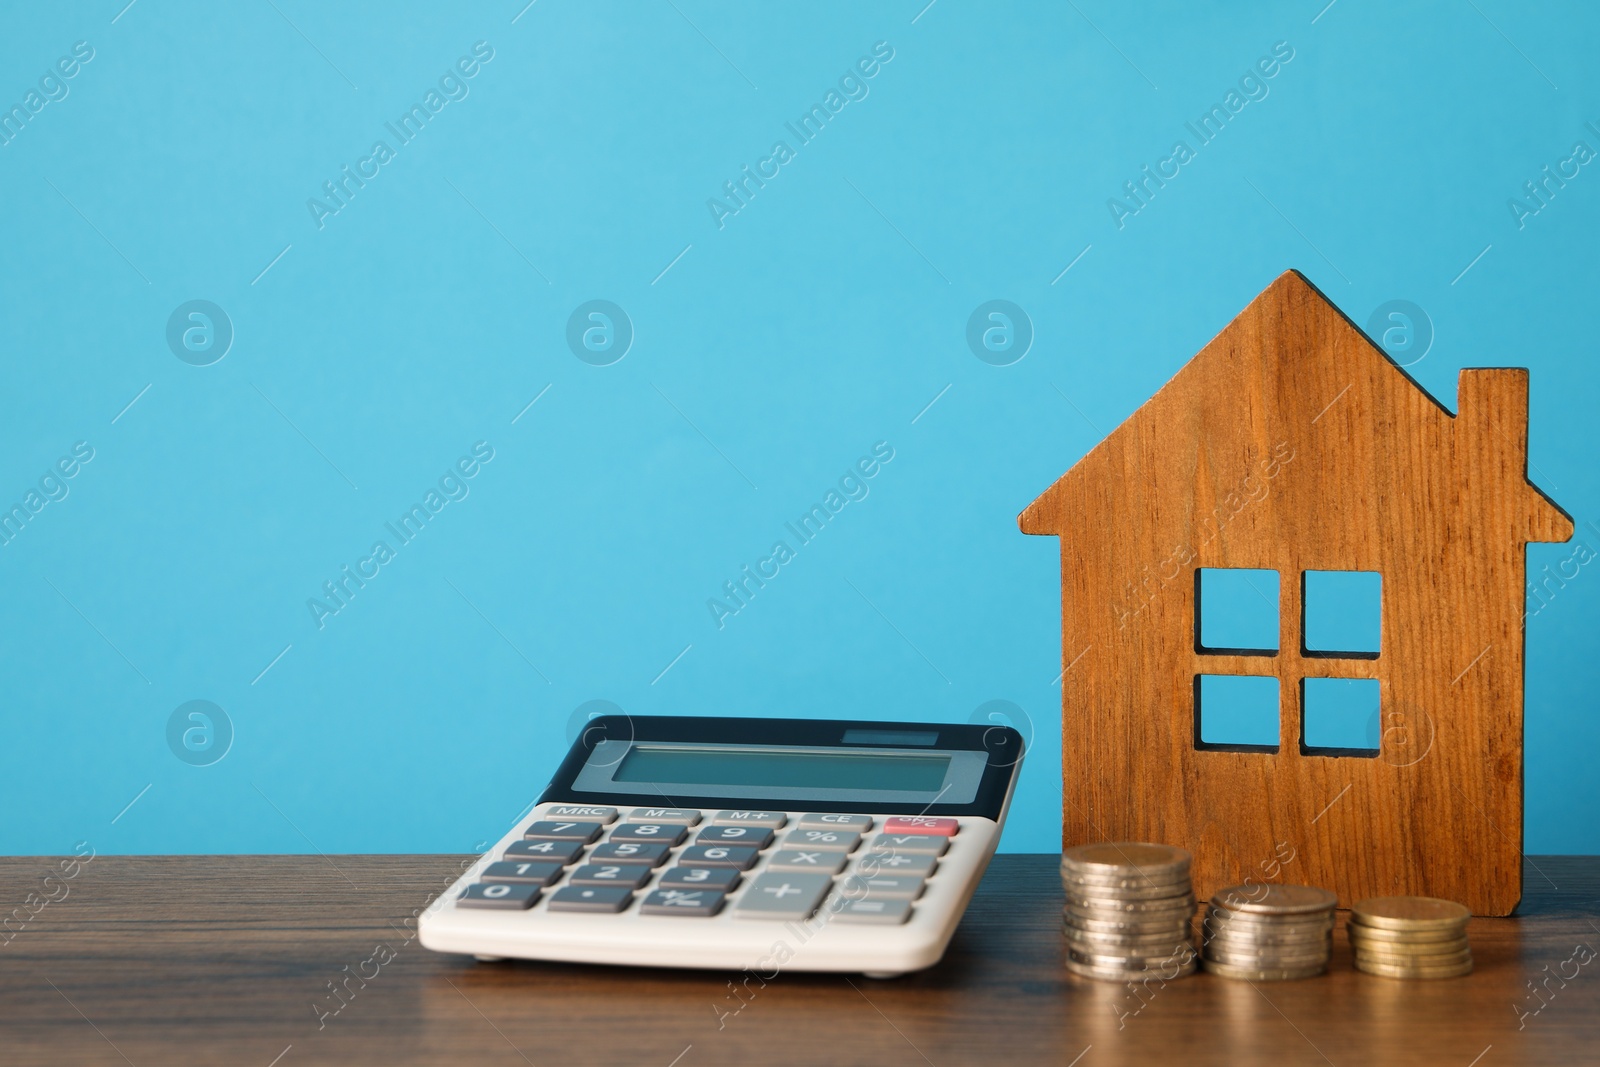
[1292,443]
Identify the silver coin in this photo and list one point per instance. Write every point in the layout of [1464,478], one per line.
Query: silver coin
[1124,858]
[1130,892]
[1245,944]
[1120,939]
[1266,959]
[1223,916]
[1273,899]
[1176,926]
[1265,974]
[1265,933]
[1123,974]
[1152,961]
[1097,908]
[1144,946]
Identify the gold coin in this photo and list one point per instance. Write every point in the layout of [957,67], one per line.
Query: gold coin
[1393,959]
[1274,899]
[1126,858]
[1389,970]
[1246,958]
[1126,974]
[1410,913]
[1402,948]
[1265,974]
[1409,937]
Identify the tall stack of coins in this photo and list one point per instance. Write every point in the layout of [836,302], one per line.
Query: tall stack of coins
[1269,933]
[1128,911]
[1410,937]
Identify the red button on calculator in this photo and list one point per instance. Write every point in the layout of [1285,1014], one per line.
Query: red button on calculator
[920,824]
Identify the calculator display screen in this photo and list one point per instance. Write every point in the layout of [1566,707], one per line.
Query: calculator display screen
[920,772]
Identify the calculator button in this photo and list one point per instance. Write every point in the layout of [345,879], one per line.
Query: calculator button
[920,824]
[721,879]
[586,812]
[631,875]
[602,898]
[913,866]
[929,844]
[648,853]
[783,895]
[531,872]
[701,902]
[681,816]
[887,912]
[498,895]
[807,859]
[772,820]
[562,830]
[828,820]
[671,833]
[562,852]
[739,857]
[754,836]
[883,886]
[829,840]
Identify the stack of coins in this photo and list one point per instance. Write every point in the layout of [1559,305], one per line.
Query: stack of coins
[1269,933]
[1128,911]
[1410,937]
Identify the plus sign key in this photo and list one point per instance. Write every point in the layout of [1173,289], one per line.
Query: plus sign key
[783,895]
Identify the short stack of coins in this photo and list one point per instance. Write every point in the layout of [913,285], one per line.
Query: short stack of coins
[1410,937]
[1128,910]
[1269,933]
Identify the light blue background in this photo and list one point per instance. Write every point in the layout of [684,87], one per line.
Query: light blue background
[773,353]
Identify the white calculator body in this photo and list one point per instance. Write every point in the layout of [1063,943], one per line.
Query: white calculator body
[761,844]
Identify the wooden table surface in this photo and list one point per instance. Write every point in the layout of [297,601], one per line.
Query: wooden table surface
[227,960]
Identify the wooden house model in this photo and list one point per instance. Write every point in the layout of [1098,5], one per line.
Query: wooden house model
[1291,443]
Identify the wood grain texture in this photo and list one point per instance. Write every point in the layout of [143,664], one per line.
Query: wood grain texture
[1290,442]
[220,959]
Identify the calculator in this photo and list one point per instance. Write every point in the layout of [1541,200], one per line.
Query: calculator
[738,843]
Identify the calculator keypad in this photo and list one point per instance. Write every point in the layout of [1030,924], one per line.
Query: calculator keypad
[875,878]
[502,895]
[807,859]
[681,816]
[671,833]
[828,840]
[772,820]
[701,902]
[585,812]
[722,879]
[739,857]
[649,853]
[631,875]
[754,836]
[531,872]
[562,852]
[782,895]
[567,830]
[607,899]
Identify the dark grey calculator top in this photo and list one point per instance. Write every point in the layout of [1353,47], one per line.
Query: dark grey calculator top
[819,765]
